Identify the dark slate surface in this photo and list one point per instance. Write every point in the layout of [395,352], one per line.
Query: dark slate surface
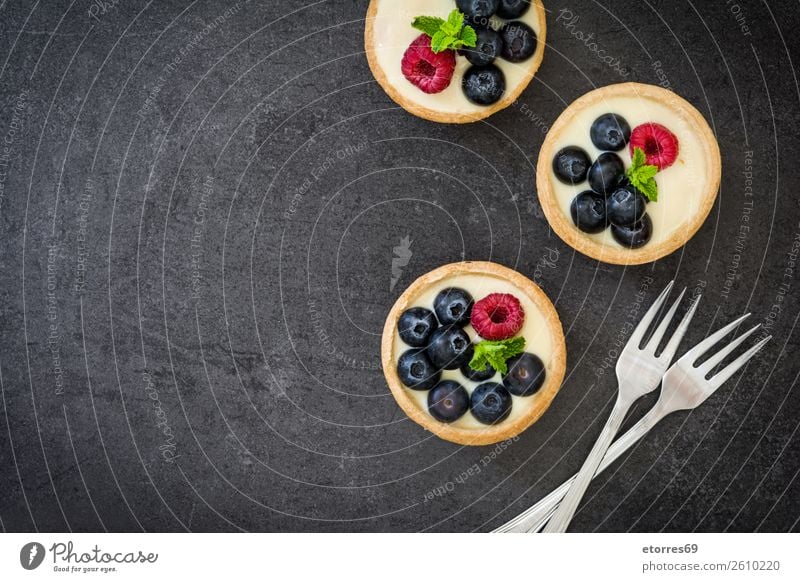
[199,211]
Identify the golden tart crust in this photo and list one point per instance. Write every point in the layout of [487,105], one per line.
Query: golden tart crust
[490,434]
[562,223]
[511,94]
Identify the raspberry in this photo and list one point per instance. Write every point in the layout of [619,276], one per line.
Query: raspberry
[497,316]
[429,71]
[659,144]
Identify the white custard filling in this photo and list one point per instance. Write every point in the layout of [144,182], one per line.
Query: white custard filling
[535,330]
[681,187]
[393,34]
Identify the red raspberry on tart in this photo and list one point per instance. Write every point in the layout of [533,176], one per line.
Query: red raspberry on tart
[497,316]
[659,144]
[429,71]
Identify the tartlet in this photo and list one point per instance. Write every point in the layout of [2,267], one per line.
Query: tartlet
[389,32]
[542,331]
[687,188]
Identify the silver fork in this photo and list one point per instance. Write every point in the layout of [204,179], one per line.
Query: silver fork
[684,388]
[639,372]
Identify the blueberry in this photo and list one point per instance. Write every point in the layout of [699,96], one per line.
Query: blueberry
[525,375]
[448,401]
[453,306]
[570,164]
[509,9]
[625,206]
[483,85]
[610,132]
[606,173]
[519,41]
[490,403]
[416,325]
[486,49]
[588,211]
[477,375]
[449,348]
[478,8]
[416,371]
[634,236]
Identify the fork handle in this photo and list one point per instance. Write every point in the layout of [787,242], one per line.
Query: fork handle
[535,517]
[569,505]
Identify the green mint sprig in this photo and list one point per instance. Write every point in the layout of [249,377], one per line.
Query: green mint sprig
[446,34]
[643,176]
[496,353]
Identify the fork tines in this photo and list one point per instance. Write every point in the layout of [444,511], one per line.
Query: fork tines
[693,355]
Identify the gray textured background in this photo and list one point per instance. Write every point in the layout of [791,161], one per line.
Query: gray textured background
[198,219]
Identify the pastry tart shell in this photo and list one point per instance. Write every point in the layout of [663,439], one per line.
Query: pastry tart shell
[489,434]
[562,223]
[511,93]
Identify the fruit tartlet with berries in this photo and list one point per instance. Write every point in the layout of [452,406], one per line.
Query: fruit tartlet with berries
[454,61]
[628,173]
[473,352]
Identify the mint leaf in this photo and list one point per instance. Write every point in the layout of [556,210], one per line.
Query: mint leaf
[450,30]
[643,176]
[446,34]
[647,172]
[638,159]
[469,37]
[455,18]
[650,190]
[496,353]
[439,41]
[427,24]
